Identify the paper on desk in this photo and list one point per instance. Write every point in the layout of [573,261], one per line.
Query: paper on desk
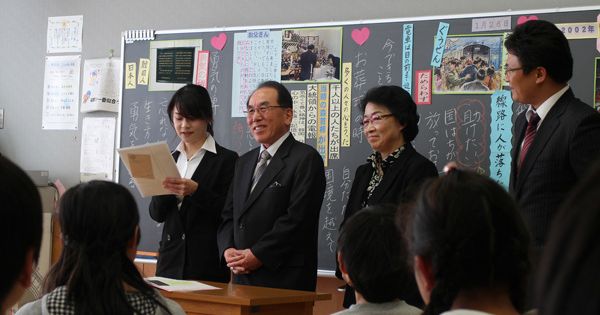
[175,285]
[149,165]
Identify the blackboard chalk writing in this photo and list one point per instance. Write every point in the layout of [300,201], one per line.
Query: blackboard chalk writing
[345,187]
[407,56]
[384,74]
[311,111]
[147,118]
[134,113]
[450,133]
[163,123]
[334,121]
[359,73]
[471,133]
[346,103]
[329,225]
[213,81]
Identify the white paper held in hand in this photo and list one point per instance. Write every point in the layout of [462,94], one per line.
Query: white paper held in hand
[149,165]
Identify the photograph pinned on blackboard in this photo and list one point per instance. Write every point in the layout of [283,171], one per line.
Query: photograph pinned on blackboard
[470,64]
[311,54]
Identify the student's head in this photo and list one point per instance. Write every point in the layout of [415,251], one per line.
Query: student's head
[311,47]
[466,234]
[537,52]
[20,232]
[99,223]
[190,112]
[371,256]
[568,281]
[269,112]
[388,133]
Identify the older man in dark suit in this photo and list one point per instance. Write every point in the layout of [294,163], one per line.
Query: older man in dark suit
[558,137]
[268,236]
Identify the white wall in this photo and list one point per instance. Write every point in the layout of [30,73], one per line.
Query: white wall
[23,36]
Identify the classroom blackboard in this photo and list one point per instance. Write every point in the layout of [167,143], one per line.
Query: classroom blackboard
[457,126]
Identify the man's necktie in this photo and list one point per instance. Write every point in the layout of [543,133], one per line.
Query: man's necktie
[529,136]
[260,168]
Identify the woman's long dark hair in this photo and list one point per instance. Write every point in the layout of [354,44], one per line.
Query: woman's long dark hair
[98,220]
[471,232]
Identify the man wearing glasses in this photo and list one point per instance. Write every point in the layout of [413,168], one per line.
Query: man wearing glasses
[268,236]
[558,136]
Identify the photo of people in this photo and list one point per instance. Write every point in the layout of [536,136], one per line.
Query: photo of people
[470,65]
[311,54]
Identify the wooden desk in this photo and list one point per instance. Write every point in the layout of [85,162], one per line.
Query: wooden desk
[243,299]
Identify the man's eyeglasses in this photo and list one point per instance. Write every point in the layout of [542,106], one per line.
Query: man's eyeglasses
[508,70]
[375,119]
[261,109]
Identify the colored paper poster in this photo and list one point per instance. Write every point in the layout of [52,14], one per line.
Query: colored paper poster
[311,54]
[491,24]
[172,63]
[61,93]
[130,75]
[311,111]
[470,65]
[597,85]
[323,121]
[144,71]
[501,137]
[407,56]
[335,99]
[202,68]
[255,59]
[97,147]
[298,127]
[100,89]
[439,44]
[423,92]
[579,30]
[175,65]
[64,34]
[346,103]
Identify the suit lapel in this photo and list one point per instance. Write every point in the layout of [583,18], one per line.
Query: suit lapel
[275,166]
[549,125]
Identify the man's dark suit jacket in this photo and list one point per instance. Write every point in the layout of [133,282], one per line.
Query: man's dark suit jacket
[565,145]
[279,220]
[188,249]
[399,184]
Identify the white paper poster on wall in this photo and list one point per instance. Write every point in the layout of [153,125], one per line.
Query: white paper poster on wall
[61,92]
[97,148]
[100,89]
[64,34]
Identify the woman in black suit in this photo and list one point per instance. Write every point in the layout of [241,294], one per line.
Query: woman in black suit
[192,214]
[395,169]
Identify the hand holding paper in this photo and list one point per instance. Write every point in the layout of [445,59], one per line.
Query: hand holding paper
[149,166]
[180,186]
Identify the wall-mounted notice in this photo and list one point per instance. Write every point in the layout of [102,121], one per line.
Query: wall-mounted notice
[144,71]
[491,24]
[100,89]
[130,75]
[323,121]
[407,57]
[202,68]
[346,103]
[172,63]
[423,91]
[64,34]
[501,137]
[579,30]
[440,44]
[256,58]
[335,99]
[97,148]
[311,111]
[61,92]
[298,127]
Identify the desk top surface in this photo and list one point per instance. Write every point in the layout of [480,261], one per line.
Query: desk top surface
[247,295]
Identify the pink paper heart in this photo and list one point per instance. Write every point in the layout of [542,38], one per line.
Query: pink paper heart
[522,19]
[360,35]
[218,42]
